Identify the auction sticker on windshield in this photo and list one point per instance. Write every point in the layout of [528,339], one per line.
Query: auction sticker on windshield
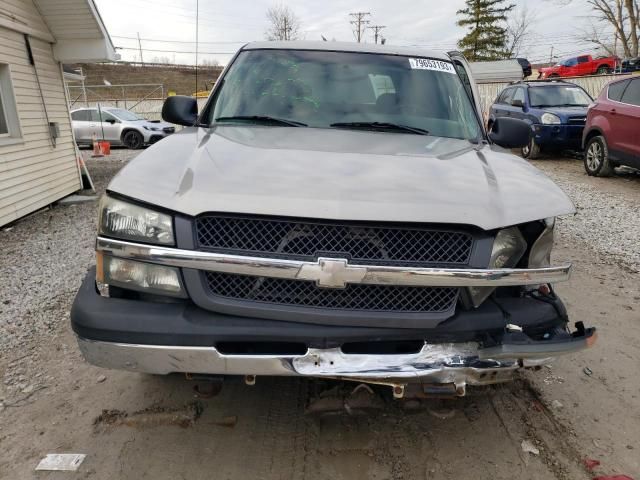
[428,64]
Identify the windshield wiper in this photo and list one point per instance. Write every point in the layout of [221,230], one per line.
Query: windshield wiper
[265,119]
[381,126]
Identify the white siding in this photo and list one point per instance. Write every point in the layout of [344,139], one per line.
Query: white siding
[67,19]
[22,15]
[33,173]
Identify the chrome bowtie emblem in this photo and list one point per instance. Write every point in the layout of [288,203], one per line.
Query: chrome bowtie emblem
[332,273]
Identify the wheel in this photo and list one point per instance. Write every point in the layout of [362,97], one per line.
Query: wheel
[531,151]
[596,158]
[603,70]
[132,139]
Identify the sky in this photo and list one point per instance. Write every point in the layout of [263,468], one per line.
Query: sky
[167,27]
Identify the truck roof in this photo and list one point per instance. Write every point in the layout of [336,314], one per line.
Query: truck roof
[347,47]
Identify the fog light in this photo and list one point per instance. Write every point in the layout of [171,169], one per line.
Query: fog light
[143,277]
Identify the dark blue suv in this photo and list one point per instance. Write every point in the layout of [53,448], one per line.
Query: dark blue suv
[556,111]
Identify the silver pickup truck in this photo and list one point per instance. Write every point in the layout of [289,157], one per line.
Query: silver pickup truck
[336,210]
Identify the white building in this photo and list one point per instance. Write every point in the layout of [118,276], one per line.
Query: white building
[38,164]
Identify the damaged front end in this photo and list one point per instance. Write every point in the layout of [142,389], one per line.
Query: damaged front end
[443,369]
[357,307]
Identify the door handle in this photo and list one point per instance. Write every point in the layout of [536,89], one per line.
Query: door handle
[92,125]
[612,111]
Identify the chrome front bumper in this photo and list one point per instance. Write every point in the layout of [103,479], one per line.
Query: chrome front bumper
[332,272]
[451,363]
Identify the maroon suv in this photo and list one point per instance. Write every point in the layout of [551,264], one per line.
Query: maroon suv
[612,134]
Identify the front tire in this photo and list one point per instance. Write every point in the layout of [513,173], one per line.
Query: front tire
[603,70]
[531,151]
[596,158]
[133,139]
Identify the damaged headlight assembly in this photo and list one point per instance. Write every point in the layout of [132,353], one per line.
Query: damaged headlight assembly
[123,220]
[508,248]
[540,253]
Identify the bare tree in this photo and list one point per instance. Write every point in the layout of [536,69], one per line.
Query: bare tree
[519,28]
[623,16]
[162,60]
[284,23]
[594,34]
[209,62]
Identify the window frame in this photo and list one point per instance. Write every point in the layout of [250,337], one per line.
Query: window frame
[524,95]
[507,93]
[631,82]
[626,81]
[81,111]
[105,115]
[9,107]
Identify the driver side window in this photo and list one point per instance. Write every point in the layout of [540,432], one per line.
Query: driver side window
[107,117]
[519,95]
[506,96]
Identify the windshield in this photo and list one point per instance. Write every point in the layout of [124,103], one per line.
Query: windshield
[339,89]
[125,115]
[559,96]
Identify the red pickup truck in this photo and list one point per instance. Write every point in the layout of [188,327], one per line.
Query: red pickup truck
[578,66]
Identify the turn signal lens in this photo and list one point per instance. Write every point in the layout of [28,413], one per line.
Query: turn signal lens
[143,277]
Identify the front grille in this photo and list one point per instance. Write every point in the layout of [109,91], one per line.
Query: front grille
[355,297]
[577,120]
[359,243]
[169,129]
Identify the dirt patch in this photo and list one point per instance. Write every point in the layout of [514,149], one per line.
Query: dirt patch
[152,417]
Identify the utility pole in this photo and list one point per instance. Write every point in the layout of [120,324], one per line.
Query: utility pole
[376,31]
[140,47]
[359,23]
[197,39]
[551,56]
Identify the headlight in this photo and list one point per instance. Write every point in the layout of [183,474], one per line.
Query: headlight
[540,254]
[155,129]
[550,119]
[508,248]
[128,221]
[144,277]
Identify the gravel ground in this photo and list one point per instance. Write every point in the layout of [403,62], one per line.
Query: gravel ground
[586,405]
[44,257]
[607,221]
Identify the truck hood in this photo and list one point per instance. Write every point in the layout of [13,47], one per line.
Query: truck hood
[340,174]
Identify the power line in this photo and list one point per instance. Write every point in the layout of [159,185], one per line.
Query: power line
[175,51]
[360,23]
[157,40]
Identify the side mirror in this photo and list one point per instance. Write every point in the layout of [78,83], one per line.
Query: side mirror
[181,110]
[110,120]
[510,132]
[517,103]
